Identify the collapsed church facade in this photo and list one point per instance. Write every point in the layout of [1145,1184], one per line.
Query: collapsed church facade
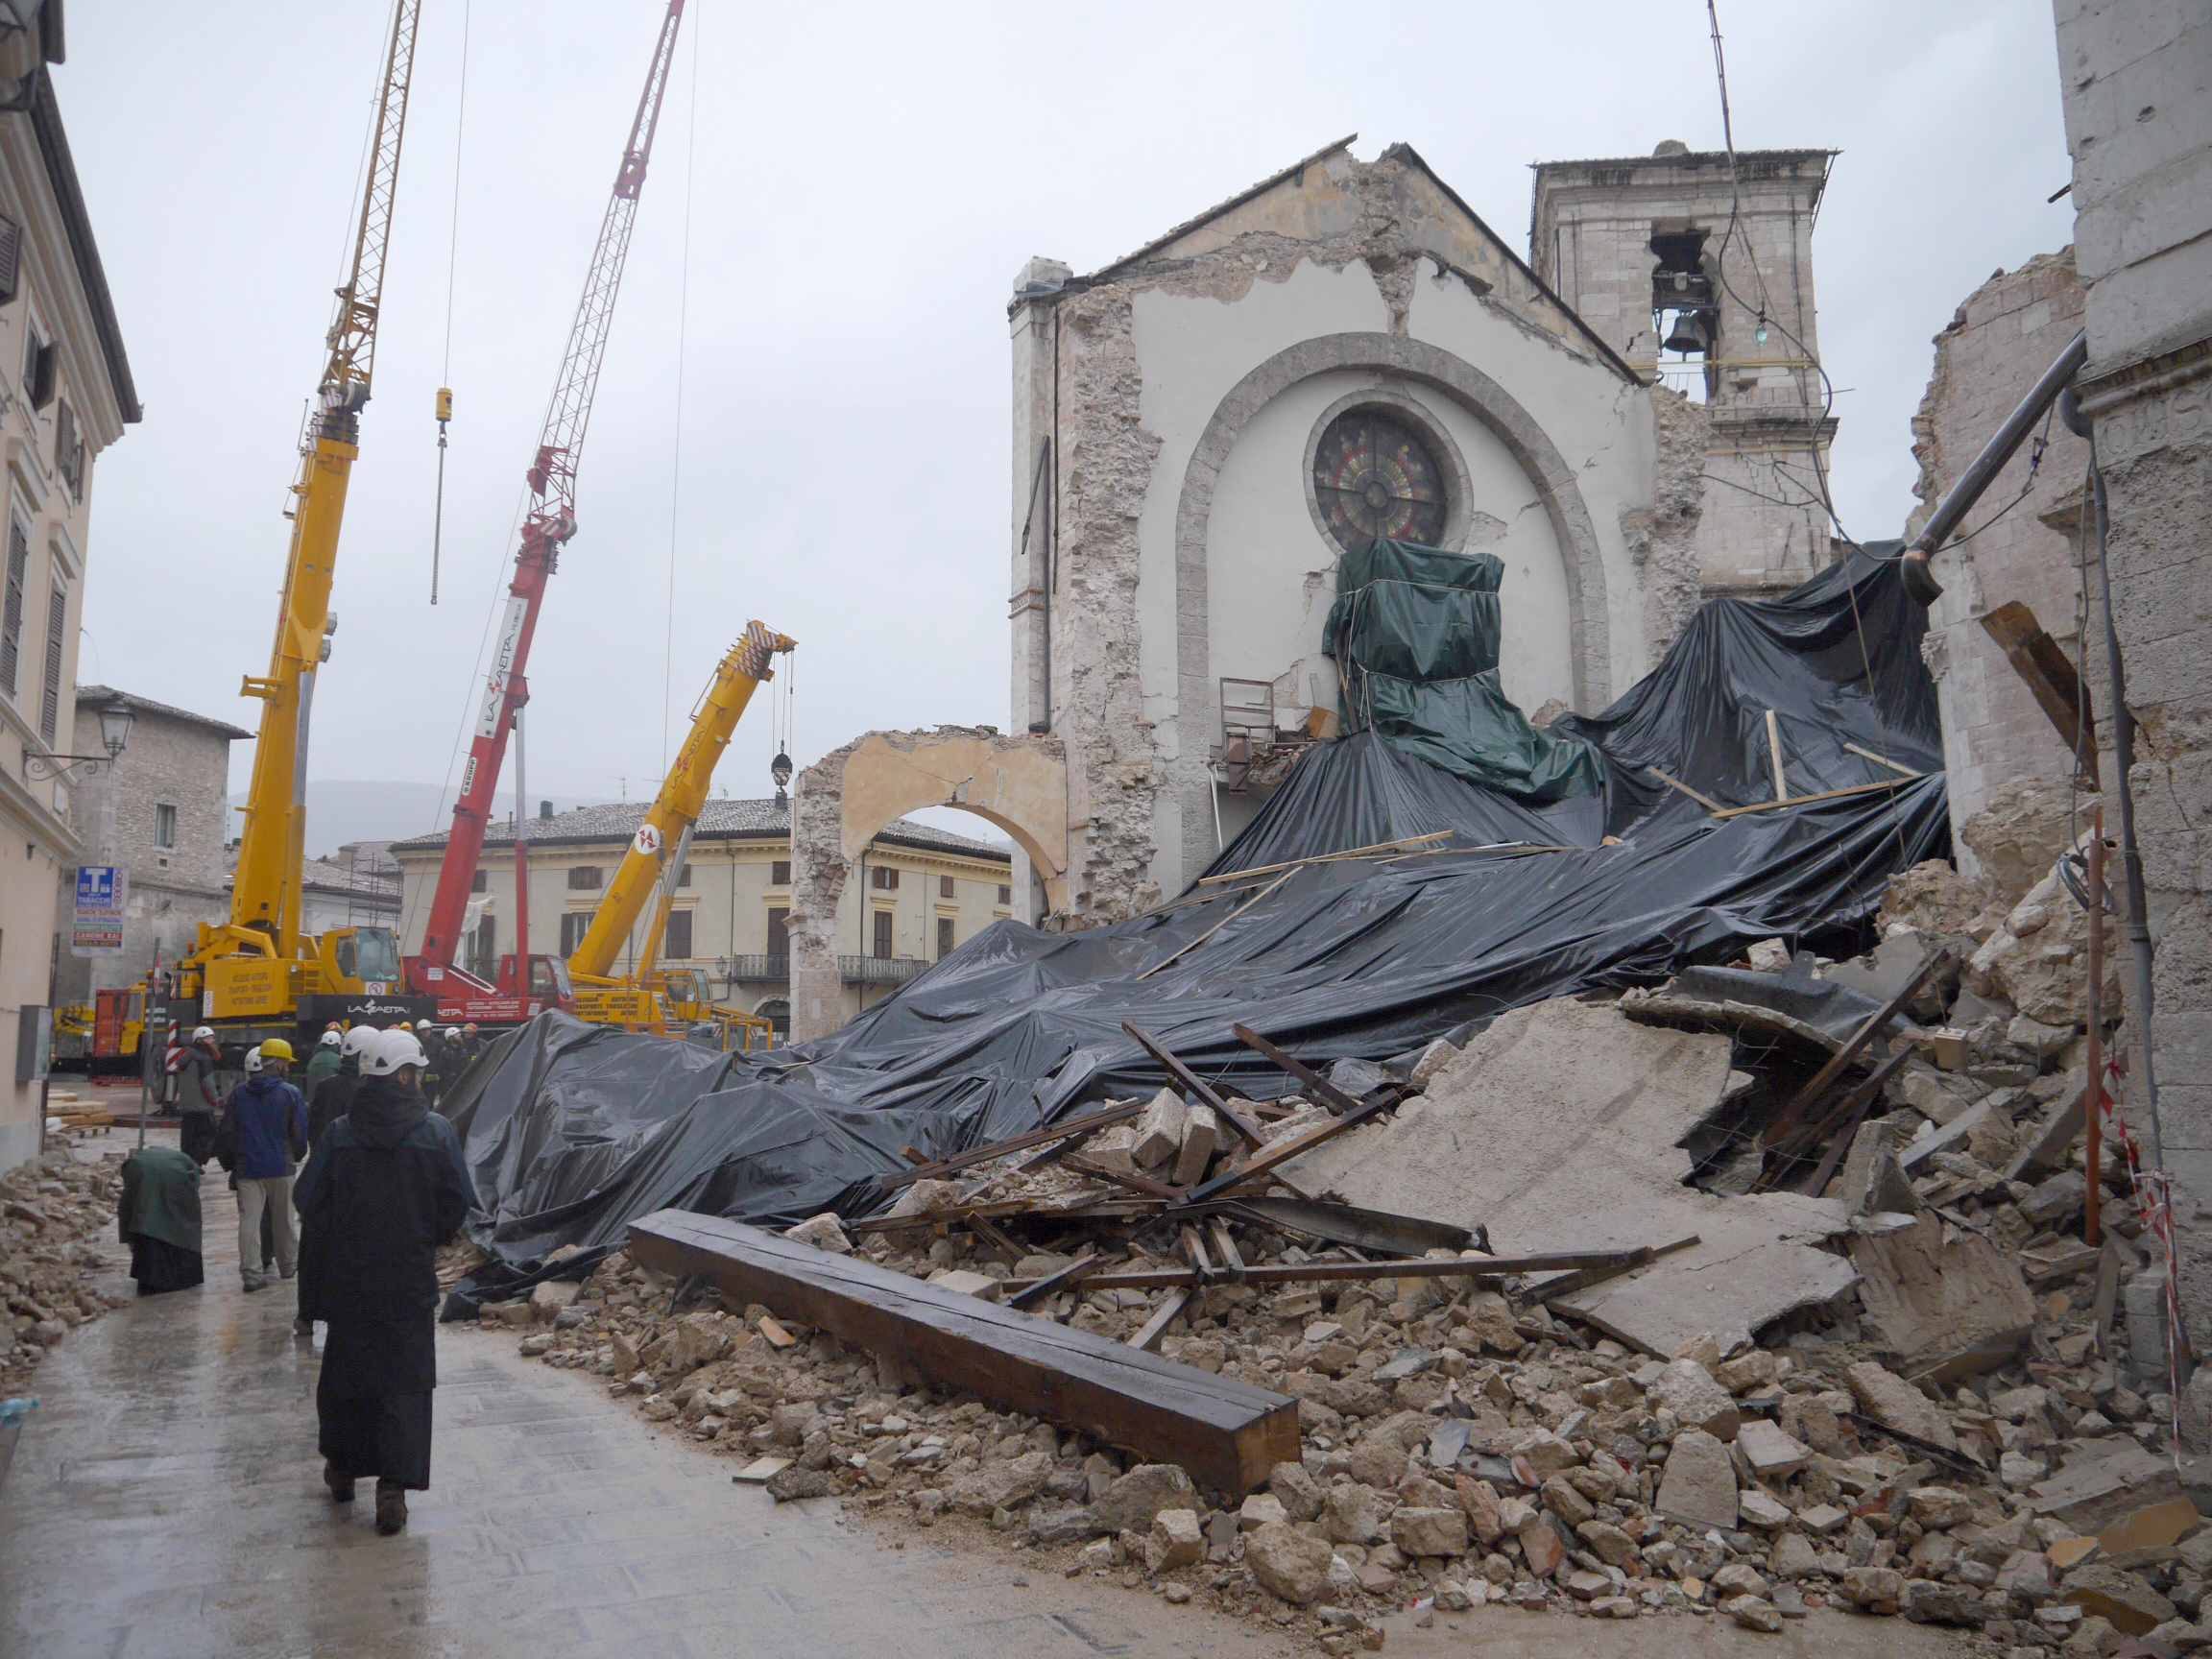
[1203,430]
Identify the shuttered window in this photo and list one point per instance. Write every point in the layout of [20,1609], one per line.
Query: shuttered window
[10,251]
[779,933]
[57,637]
[12,613]
[882,935]
[676,947]
[944,937]
[574,925]
[68,451]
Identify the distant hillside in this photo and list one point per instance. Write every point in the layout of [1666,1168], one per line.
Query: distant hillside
[339,811]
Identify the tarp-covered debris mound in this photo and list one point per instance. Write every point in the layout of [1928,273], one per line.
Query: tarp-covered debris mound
[572,1130]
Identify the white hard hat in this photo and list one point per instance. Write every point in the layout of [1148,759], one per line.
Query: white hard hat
[392,1050]
[252,1059]
[330,1040]
[357,1039]
[452,1033]
[203,1033]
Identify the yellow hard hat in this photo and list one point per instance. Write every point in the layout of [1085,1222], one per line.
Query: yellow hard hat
[277,1049]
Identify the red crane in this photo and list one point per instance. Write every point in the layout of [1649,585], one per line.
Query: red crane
[551,520]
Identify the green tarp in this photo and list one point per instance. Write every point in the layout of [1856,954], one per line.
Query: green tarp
[1415,631]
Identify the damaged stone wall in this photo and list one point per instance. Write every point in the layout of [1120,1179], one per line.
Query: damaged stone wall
[1663,538]
[2000,341]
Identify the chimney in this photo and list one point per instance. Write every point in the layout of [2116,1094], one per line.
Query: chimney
[545,812]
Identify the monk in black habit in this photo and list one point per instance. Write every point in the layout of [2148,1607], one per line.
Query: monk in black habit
[384,1186]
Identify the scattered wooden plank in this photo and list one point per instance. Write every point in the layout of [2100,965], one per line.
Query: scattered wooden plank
[1318,1086]
[959,1161]
[1376,1230]
[1188,1080]
[1135,1182]
[1774,754]
[1420,1267]
[1185,949]
[1289,1146]
[1672,783]
[1631,1260]
[1052,1283]
[1227,1434]
[1876,1023]
[1809,800]
[1327,857]
[1149,1335]
[997,1237]
[1881,760]
[1793,1146]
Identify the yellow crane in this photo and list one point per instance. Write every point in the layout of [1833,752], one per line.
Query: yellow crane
[259,973]
[652,998]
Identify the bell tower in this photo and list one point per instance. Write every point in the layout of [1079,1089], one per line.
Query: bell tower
[1700,273]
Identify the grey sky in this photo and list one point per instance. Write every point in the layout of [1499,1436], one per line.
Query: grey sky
[864,181]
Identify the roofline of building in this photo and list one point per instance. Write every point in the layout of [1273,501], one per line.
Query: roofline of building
[1106,272]
[84,249]
[1689,158]
[1590,335]
[147,704]
[983,852]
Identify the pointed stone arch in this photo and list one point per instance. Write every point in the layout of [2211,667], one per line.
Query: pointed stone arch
[841,803]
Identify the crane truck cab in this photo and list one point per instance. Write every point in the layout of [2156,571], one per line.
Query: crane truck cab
[464,999]
[248,992]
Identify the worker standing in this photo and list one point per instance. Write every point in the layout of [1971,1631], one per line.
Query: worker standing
[384,1188]
[324,1062]
[199,1096]
[264,1130]
[158,1217]
[333,1098]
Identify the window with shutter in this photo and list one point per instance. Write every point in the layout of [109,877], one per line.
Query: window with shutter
[57,637]
[882,935]
[779,933]
[677,948]
[944,937]
[12,613]
[38,371]
[10,250]
[574,925]
[946,888]
[780,872]
[68,451]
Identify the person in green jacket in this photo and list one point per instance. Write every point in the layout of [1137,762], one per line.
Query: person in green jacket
[158,1217]
[324,1062]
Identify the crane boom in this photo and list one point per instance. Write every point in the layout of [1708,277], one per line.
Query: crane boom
[548,524]
[265,904]
[676,809]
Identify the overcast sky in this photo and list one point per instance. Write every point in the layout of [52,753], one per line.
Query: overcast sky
[860,182]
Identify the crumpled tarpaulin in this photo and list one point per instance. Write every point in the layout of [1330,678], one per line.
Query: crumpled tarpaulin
[571,1130]
[1415,633]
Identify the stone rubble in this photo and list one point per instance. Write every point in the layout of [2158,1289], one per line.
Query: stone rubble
[50,1208]
[1464,1449]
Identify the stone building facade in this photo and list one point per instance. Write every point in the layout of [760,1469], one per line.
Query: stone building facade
[65,395]
[2136,77]
[2022,543]
[1197,428]
[162,814]
[918,894]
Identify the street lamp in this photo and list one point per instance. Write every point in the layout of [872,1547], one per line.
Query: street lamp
[115,722]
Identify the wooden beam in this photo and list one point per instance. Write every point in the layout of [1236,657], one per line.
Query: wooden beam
[1705,800]
[1327,857]
[1808,799]
[2052,680]
[1417,1268]
[1824,1079]
[1774,754]
[1149,1335]
[959,1161]
[1192,945]
[1287,1148]
[1052,1283]
[1323,1091]
[1184,1077]
[1135,1182]
[1881,760]
[1227,1434]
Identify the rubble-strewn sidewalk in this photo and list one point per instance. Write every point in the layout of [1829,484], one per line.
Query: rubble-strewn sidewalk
[49,1209]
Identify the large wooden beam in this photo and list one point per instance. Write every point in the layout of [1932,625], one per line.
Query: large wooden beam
[1227,1434]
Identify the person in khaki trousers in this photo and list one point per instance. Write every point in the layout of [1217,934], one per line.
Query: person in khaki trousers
[264,1133]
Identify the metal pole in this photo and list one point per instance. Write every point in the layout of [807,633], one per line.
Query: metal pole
[521,878]
[1981,471]
[2093,1053]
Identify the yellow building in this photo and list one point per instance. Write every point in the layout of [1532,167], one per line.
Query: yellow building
[919,895]
[65,395]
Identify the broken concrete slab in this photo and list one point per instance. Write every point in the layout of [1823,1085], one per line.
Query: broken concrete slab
[2106,1480]
[1951,1135]
[1814,1015]
[1160,1131]
[1560,1126]
[2045,1145]
[1891,1403]
[1948,1302]
[1202,1137]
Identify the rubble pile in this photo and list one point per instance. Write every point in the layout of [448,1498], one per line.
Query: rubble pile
[1972,1433]
[49,1209]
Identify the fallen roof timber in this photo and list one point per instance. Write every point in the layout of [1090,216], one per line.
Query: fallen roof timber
[1227,1434]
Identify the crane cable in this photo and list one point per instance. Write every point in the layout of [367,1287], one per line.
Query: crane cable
[452,250]
[676,463]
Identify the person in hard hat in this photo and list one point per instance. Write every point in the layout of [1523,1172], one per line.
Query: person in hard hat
[322,1063]
[158,1217]
[265,1131]
[384,1188]
[329,1101]
[199,1096]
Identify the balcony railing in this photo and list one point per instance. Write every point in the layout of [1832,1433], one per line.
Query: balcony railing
[851,970]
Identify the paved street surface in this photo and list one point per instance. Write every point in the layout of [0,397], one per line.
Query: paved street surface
[166,1503]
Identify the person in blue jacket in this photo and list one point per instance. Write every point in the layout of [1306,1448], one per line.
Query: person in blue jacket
[384,1188]
[264,1132]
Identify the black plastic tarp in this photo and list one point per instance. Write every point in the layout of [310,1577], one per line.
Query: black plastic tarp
[1415,631]
[570,1130]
